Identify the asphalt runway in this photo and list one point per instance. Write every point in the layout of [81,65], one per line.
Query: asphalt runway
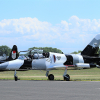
[49,90]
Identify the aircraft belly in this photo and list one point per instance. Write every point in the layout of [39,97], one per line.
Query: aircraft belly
[39,64]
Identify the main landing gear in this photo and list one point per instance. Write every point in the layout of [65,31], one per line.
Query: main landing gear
[65,76]
[15,76]
[50,77]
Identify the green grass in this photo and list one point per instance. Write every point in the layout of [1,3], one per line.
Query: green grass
[75,75]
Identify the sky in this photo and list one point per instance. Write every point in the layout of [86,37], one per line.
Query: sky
[68,25]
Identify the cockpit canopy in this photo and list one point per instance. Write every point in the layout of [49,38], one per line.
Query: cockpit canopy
[34,54]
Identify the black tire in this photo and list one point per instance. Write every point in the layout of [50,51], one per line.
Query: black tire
[67,77]
[51,77]
[16,78]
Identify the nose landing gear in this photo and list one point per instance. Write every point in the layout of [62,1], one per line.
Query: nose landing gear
[15,76]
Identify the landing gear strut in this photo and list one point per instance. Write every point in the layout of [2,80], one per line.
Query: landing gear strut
[66,76]
[15,76]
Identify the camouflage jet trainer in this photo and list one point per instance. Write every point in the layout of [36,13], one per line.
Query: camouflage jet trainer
[49,61]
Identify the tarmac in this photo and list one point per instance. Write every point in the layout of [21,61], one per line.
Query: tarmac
[49,90]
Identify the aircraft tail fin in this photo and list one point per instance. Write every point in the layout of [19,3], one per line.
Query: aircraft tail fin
[14,53]
[92,48]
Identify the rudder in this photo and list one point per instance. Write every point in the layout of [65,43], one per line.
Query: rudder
[14,53]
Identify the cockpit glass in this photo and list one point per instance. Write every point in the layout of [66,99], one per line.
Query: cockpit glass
[31,54]
[22,57]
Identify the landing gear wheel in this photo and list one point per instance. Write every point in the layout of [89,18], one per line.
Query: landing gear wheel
[66,77]
[51,77]
[16,78]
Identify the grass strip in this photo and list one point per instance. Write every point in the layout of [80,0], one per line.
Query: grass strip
[75,75]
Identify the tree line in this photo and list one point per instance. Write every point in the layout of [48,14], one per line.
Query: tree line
[6,50]
[47,49]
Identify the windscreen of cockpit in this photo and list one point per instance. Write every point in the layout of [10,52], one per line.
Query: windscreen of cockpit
[23,55]
[37,54]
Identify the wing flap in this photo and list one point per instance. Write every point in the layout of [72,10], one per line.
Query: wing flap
[56,66]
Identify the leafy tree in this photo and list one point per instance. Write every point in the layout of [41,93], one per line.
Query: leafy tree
[48,49]
[75,52]
[4,50]
[79,51]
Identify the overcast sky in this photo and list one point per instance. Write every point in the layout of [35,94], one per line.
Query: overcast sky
[68,25]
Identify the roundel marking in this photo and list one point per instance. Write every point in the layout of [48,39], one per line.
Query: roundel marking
[14,51]
[13,54]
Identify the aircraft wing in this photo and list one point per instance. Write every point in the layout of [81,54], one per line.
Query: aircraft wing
[56,66]
[78,65]
[59,66]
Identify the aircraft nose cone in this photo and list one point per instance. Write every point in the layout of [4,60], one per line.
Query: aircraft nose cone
[4,65]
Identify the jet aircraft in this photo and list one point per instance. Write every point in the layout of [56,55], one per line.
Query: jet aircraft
[49,61]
